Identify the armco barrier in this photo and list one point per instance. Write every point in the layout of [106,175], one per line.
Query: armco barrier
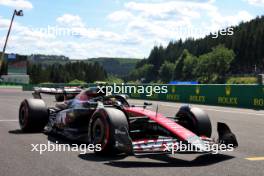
[244,96]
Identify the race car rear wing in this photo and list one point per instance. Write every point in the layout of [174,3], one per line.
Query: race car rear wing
[55,91]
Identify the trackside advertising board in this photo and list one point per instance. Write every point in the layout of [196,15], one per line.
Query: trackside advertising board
[245,96]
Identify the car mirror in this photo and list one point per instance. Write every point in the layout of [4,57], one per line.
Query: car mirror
[147,104]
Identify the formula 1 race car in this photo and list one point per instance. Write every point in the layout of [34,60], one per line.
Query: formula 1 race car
[109,120]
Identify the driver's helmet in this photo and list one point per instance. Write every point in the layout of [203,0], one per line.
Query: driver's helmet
[95,92]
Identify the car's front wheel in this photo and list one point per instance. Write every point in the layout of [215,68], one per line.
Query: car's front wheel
[195,119]
[102,128]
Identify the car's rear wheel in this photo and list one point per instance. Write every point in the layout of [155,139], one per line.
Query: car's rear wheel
[195,119]
[102,128]
[33,115]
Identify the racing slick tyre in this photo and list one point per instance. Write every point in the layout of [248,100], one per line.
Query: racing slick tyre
[102,128]
[195,119]
[33,115]
[59,97]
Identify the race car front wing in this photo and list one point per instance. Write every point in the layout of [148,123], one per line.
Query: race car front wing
[170,145]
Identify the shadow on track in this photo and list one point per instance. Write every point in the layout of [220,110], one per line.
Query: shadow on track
[99,158]
[20,132]
[165,161]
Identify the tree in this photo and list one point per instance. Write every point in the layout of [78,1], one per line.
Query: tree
[247,42]
[213,66]
[189,67]
[3,67]
[146,73]
[178,75]
[59,73]
[166,71]
[156,59]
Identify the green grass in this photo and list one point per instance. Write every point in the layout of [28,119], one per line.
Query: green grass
[76,81]
[120,60]
[9,86]
[242,80]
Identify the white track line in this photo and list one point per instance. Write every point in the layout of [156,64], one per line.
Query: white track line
[225,110]
[220,109]
[8,120]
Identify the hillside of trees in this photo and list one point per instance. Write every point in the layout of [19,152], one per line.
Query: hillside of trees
[59,69]
[113,66]
[119,67]
[45,58]
[58,73]
[180,59]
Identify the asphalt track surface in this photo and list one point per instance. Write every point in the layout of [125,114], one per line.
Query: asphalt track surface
[17,159]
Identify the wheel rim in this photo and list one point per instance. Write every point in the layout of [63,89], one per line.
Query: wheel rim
[100,133]
[23,116]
